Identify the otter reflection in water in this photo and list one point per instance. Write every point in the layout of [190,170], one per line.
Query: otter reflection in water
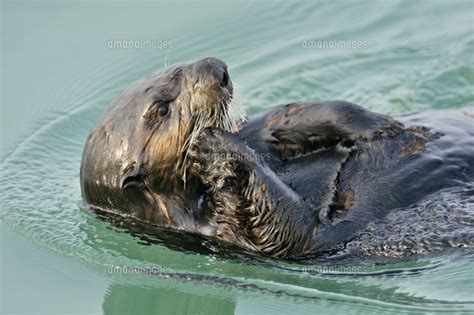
[174,150]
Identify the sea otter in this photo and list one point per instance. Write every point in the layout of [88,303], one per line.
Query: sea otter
[175,150]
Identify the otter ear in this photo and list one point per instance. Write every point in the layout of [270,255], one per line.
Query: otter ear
[132,176]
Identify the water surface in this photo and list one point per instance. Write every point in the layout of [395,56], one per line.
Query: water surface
[60,71]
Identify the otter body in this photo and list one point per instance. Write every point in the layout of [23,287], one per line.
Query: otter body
[174,151]
[372,166]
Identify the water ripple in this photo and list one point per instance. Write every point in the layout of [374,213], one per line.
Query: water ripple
[399,71]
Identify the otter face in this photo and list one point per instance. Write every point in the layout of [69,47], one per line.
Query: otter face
[134,161]
[179,103]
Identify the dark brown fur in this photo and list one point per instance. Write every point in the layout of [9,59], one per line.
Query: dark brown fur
[300,179]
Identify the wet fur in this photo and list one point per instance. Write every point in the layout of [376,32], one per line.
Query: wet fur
[358,173]
[302,179]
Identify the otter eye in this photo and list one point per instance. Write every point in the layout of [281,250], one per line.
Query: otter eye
[163,110]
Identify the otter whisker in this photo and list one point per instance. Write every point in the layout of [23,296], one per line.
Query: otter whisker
[236,111]
[202,121]
[228,116]
[232,114]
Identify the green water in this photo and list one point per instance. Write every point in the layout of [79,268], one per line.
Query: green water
[60,70]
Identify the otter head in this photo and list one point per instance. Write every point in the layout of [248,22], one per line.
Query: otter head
[134,161]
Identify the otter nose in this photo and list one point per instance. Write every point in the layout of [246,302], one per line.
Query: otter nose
[225,79]
[215,71]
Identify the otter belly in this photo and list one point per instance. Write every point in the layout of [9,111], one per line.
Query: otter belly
[361,184]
